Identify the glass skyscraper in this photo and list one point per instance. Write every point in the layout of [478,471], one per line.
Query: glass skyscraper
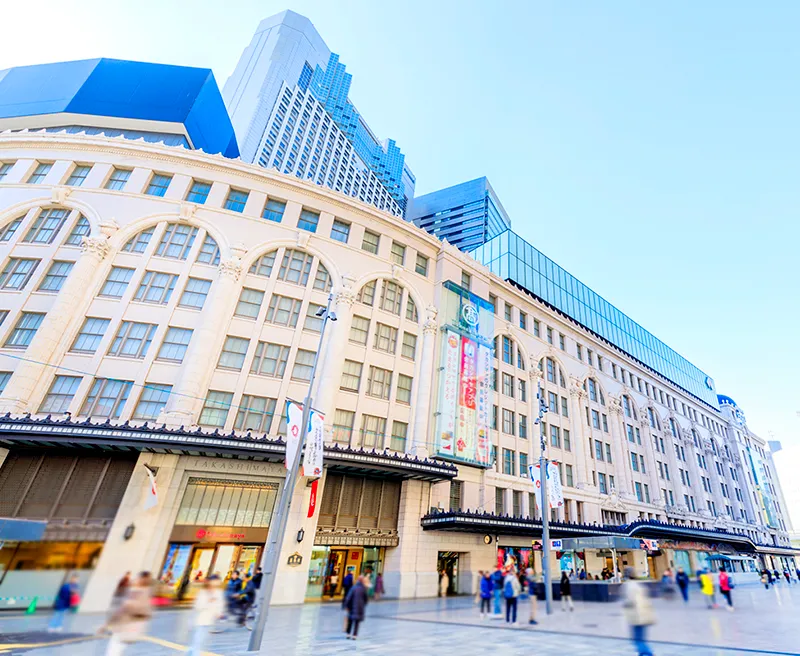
[466,215]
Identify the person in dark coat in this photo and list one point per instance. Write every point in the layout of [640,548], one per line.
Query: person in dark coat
[356,604]
[682,581]
[347,584]
[232,592]
[63,602]
[487,592]
[257,578]
[566,592]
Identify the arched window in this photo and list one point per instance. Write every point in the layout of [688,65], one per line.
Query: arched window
[549,368]
[263,265]
[177,241]
[652,417]
[138,243]
[297,267]
[209,252]
[628,407]
[10,229]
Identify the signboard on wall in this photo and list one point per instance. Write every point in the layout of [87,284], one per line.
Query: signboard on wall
[464,409]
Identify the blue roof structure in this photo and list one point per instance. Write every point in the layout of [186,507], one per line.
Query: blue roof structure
[156,98]
[512,258]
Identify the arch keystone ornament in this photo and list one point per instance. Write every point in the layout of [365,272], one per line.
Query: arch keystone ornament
[186,211]
[60,194]
[231,268]
[95,246]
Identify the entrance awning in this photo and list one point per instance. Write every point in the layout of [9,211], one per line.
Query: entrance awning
[21,530]
[726,557]
[601,542]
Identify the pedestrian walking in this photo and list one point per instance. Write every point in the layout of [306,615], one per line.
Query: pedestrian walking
[787,576]
[566,593]
[347,584]
[530,577]
[725,586]
[638,611]
[682,581]
[444,584]
[355,604]
[130,619]
[209,605]
[247,598]
[497,580]
[65,599]
[776,577]
[765,579]
[257,578]
[232,592]
[378,586]
[485,593]
[511,590]
[707,589]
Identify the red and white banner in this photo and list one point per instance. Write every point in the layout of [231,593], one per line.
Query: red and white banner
[315,445]
[447,410]
[468,392]
[484,404]
[151,498]
[312,501]
[294,418]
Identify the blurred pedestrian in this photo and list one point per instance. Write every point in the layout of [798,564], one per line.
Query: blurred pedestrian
[247,598]
[682,581]
[511,590]
[209,605]
[638,611]
[707,589]
[257,577]
[485,592]
[497,592]
[530,577]
[232,592]
[444,584]
[787,576]
[566,593]
[356,604]
[347,584]
[130,619]
[378,586]
[667,587]
[725,585]
[765,579]
[65,599]
[776,577]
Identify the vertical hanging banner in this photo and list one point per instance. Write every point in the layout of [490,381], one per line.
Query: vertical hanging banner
[451,354]
[151,500]
[554,490]
[312,500]
[294,417]
[483,403]
[468,392]
[315,445]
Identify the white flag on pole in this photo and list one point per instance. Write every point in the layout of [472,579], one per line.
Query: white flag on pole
[315,445]
[294,417]
[151,498]
[554,489]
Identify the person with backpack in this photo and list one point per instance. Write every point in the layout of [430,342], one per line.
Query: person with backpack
[566,592]
[67,594]
[497,592]
[486,592]
[725,585]
[511,591]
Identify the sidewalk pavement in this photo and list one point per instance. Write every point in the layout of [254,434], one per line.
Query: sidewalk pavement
[763,623]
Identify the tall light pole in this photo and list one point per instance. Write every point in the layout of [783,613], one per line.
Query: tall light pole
[272,549]
[545,506]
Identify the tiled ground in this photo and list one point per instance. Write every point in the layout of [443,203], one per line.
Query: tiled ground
[763,623]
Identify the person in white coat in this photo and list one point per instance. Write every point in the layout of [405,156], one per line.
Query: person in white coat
[209,605]
[444,584]
[638,611]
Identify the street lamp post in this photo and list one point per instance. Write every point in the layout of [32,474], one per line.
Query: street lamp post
[272,549]
[545,506]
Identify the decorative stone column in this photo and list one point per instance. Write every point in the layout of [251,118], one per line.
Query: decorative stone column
[618,439]
[420,437]
[650,455]
[336,335]
[577,396]
[187,396]
[57,327]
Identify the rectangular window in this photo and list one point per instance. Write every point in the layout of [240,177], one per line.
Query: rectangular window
[158,185]
[564,406]
[466,280]
[598,450]
[536,328]
[523,320]
[647,494]
[404,384]
[595,419]
[175,343]
[523,426]
[562,343]
[568,477]
[379,383]
[195,293]
[61,393]
[313,321]
[411,311]
[523,390]
[523,465]
[499,501]
[118,179]
[132,340]
[343,422]
[249,303]
[552,403]
[340,231]
[579,351]
[605,423]
[255,414]
[409,349]
[373,431]
[370,242]
[634,462]
[351,376]
[549,335]
[215,409]
[493,303]
[308,220]
[641,464]
[296,267]
[198,192]
[91,334]
[78,175]
[422,265]
[152,401]
[273,211]
[385,338]
[283,311]
[24,330]
[40,173]
[233,353]
[508,422]
[156,287]
[106,398]
[17,272]
[608,452]
[46,226]
[270,360]
[507,312]
[508,385]
[398,253]
[601,483]
[508,462]
[177,241]
[567,441]
[5,168]
[638,487]
[303,364]
[391,297]
[555,436]
[56,276]
[399,435]
[236,200]
[359,330]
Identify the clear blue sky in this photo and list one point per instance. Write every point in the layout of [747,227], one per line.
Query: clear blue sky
[652,149]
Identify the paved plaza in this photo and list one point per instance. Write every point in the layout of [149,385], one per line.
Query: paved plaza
[764,622]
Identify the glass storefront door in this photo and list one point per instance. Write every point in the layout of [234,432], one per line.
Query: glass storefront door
[201,564]
[224,560]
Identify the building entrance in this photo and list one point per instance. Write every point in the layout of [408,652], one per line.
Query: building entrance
[330,565]
[448,566]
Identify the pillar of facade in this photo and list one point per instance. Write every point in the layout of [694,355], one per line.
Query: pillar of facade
[716,490]
[421,441]
[648,434]
[695,470]
[330,369]
[188,395]
[576,396]
[618,439]
[134,541]
[55,328]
